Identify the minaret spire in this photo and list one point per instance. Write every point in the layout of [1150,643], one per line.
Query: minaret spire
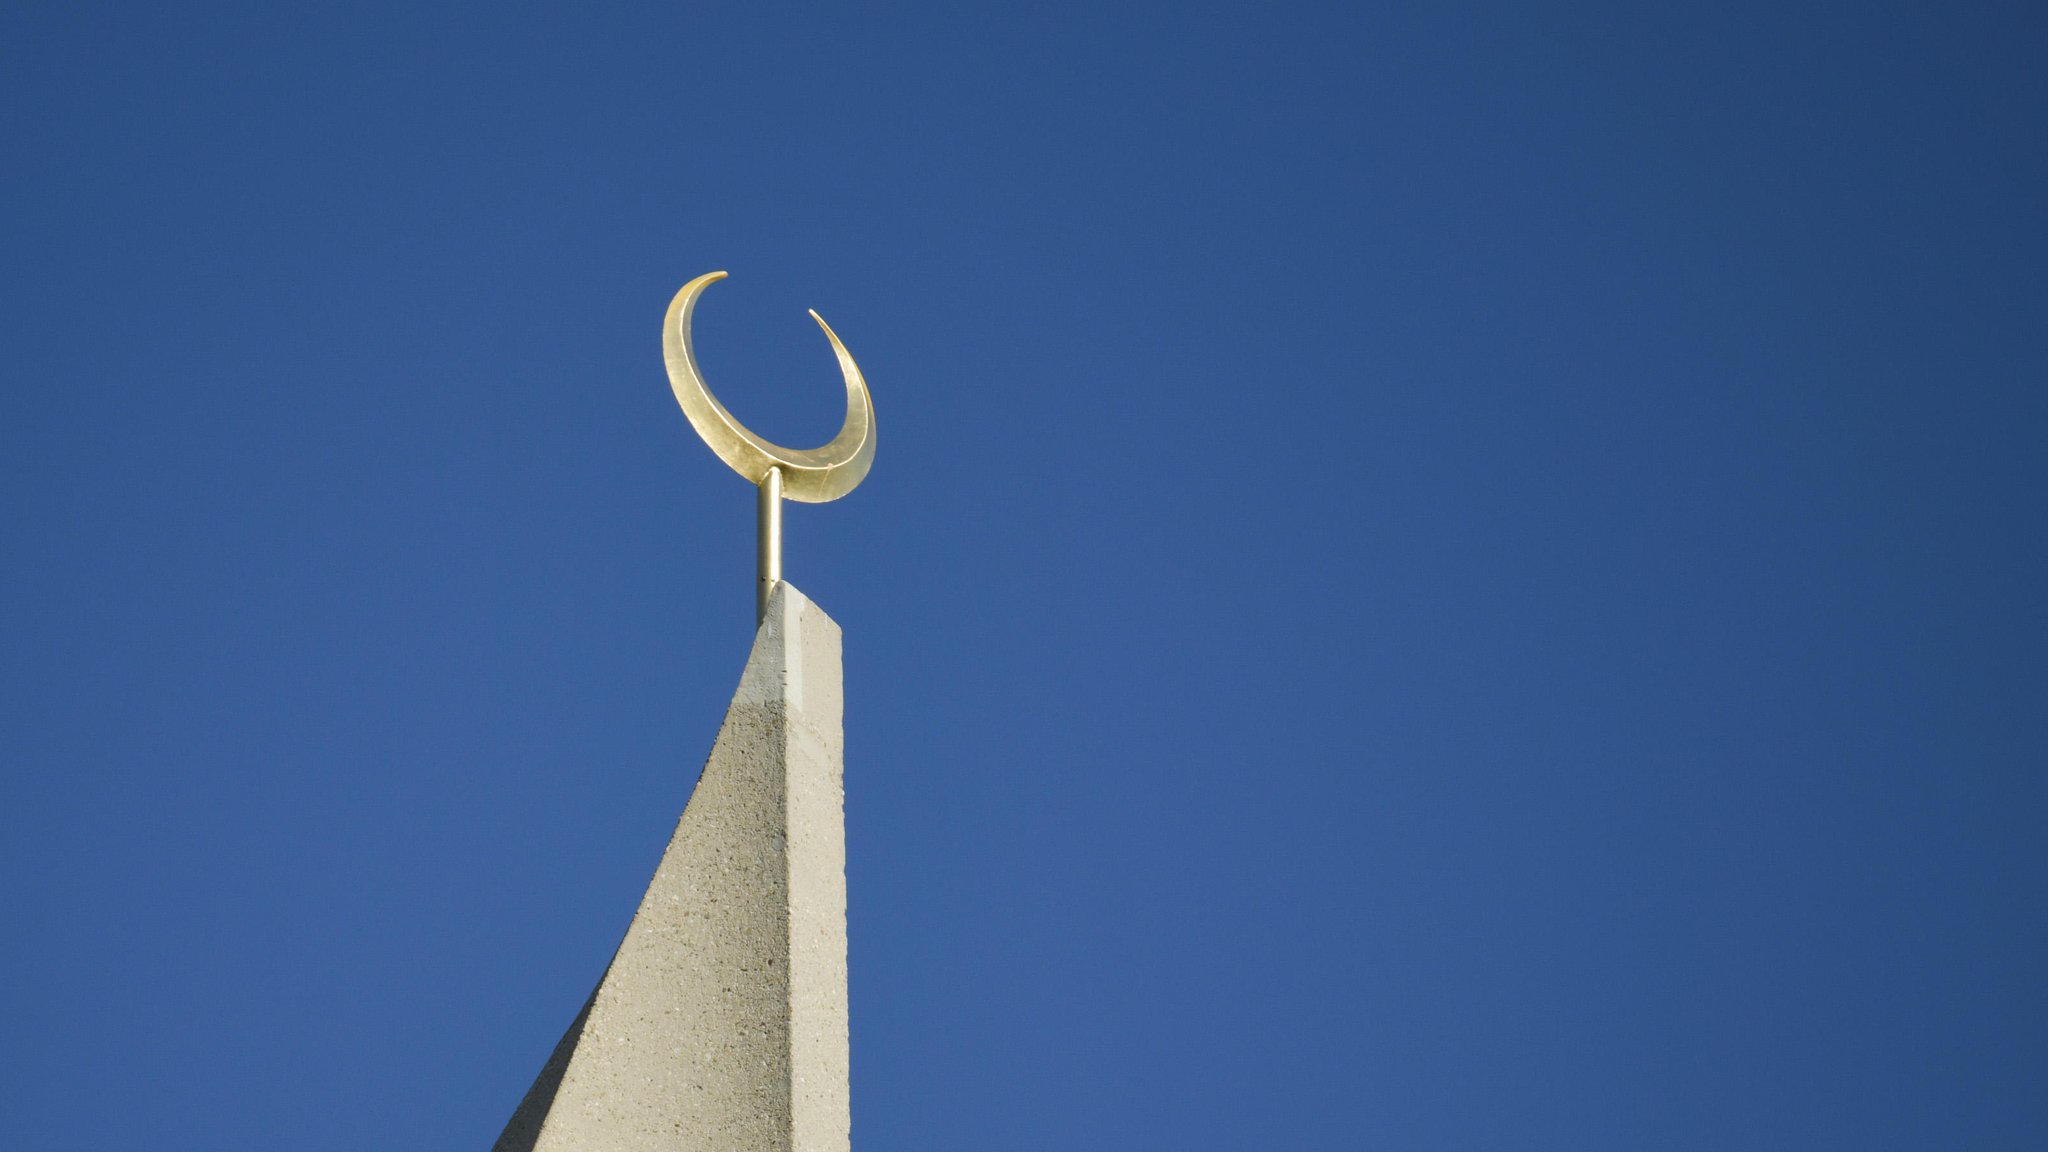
[721,1022]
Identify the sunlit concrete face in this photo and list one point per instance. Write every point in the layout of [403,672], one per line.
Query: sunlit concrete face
[721,1022]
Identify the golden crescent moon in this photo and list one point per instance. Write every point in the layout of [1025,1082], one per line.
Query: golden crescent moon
[811,475]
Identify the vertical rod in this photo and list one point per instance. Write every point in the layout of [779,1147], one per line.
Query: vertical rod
[768,555]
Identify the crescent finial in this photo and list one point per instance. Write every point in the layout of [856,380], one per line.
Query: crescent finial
[811,475]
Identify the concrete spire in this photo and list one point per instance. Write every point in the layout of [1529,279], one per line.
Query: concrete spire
[721,1022]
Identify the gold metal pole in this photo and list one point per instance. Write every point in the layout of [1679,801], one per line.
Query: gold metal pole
[768,554]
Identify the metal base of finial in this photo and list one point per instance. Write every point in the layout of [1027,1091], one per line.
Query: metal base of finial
[768,551]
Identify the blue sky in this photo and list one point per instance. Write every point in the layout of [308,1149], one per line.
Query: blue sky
[1436,577]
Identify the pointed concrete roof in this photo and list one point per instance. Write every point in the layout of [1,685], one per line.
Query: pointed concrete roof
[721,1021]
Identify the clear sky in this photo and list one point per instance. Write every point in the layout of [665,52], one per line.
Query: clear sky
[1436,577]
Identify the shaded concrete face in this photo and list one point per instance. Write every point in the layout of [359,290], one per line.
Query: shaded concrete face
[721,1022]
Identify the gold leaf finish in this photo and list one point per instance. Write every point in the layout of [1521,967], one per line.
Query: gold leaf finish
[810,475]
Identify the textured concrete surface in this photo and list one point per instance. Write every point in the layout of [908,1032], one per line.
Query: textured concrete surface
[721,1022]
